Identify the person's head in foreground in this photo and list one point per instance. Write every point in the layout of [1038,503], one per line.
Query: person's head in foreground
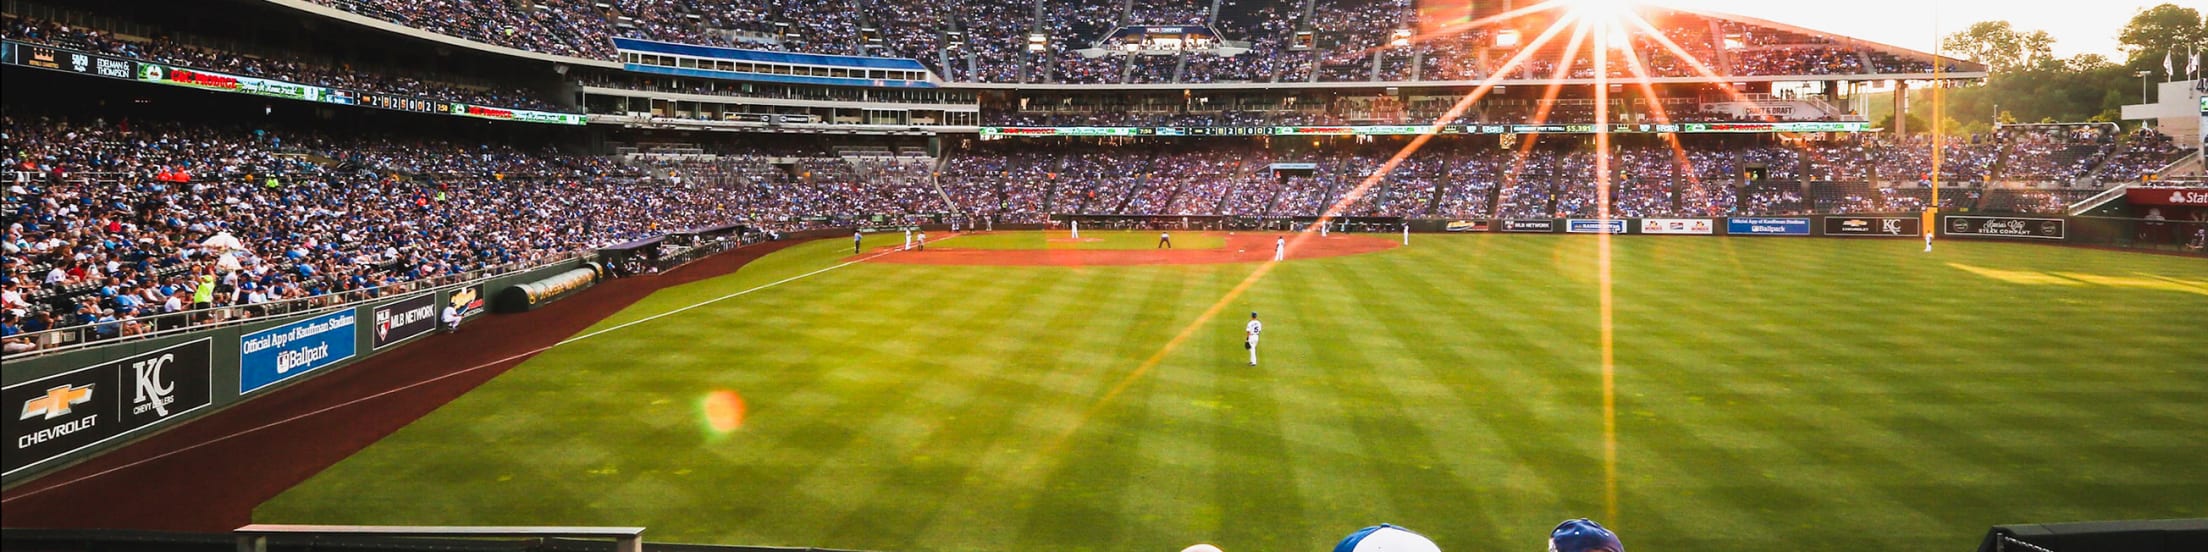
[1583,535]
[1386,538]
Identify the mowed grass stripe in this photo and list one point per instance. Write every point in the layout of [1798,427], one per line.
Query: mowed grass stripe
[1813,394]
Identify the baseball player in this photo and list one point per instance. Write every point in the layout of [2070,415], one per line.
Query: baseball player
[908,240]
[1323,225]
[1280,248]
[855,242]
[1583,535]
[1928,241]
[922,243]
[1251,330]
[1165,240]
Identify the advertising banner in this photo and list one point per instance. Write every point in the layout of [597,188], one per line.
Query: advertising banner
[227,82]
[2005,227]
[1466,226]
[406,319]
[1529,225]
[47,57]
[2167,196]
[280,353]
[1678,226]
[1767,226]
[67,412]
[504,114]
[1873,226]
[1594,226]
[469,300]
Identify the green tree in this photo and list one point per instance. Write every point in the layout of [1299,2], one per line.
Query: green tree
[2000,46]
[2157,32]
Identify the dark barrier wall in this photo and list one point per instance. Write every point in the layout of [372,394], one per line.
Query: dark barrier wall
[100,398]
[2165,535]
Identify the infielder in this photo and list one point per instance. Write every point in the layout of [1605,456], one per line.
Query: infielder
[1165,240]
[1250,342]
[1280,248]
[1323,225]
[922,243]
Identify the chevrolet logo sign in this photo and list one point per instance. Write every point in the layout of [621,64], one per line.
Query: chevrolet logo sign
[56,402]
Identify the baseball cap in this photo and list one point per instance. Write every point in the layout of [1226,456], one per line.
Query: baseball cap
[1386,538]
[1583,535]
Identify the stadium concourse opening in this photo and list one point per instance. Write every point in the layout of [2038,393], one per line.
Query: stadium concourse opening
[1239,247]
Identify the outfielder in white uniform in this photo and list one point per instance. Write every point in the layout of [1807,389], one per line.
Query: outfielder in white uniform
[1251,330]
[1280,248]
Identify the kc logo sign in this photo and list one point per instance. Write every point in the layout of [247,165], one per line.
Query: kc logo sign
[153,390]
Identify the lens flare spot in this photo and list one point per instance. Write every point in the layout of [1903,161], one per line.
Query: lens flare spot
[723,410]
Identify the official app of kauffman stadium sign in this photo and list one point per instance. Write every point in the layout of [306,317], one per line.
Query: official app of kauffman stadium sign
[280,353]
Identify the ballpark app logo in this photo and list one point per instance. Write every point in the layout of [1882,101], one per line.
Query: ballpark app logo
[56,402]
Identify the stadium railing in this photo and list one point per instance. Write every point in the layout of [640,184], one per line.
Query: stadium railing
[82,336]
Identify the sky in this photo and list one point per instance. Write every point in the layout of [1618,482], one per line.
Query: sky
[2079,26]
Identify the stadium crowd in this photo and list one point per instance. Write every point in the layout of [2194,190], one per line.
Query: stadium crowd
[135,222]
[987,40]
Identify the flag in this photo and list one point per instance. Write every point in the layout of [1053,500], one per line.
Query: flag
[2169,62]
[2192,63]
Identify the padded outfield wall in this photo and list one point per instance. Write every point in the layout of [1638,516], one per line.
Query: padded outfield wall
[84,402]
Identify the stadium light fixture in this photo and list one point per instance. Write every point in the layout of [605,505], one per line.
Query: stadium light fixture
[1507,38]
[1600,10]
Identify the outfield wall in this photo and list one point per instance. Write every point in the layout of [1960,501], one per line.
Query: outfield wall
[2159,235]
[84,402]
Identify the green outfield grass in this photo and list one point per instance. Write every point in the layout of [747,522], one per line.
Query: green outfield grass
[1772,394]
[1090,239]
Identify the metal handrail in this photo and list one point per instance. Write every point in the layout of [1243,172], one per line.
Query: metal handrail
[51,341]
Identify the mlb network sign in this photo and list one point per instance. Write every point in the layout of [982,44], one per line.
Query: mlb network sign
[1767,226]
[406,319]
[279,353]
[70,411]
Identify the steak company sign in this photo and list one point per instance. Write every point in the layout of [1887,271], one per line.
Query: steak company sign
[70,411]
[2004,227]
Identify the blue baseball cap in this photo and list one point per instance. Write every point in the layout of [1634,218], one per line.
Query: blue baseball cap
[1386,538]
[1583,535]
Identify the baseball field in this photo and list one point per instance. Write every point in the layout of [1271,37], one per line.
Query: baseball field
[1768,393]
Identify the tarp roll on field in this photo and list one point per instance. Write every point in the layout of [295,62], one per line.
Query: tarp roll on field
[530,295]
